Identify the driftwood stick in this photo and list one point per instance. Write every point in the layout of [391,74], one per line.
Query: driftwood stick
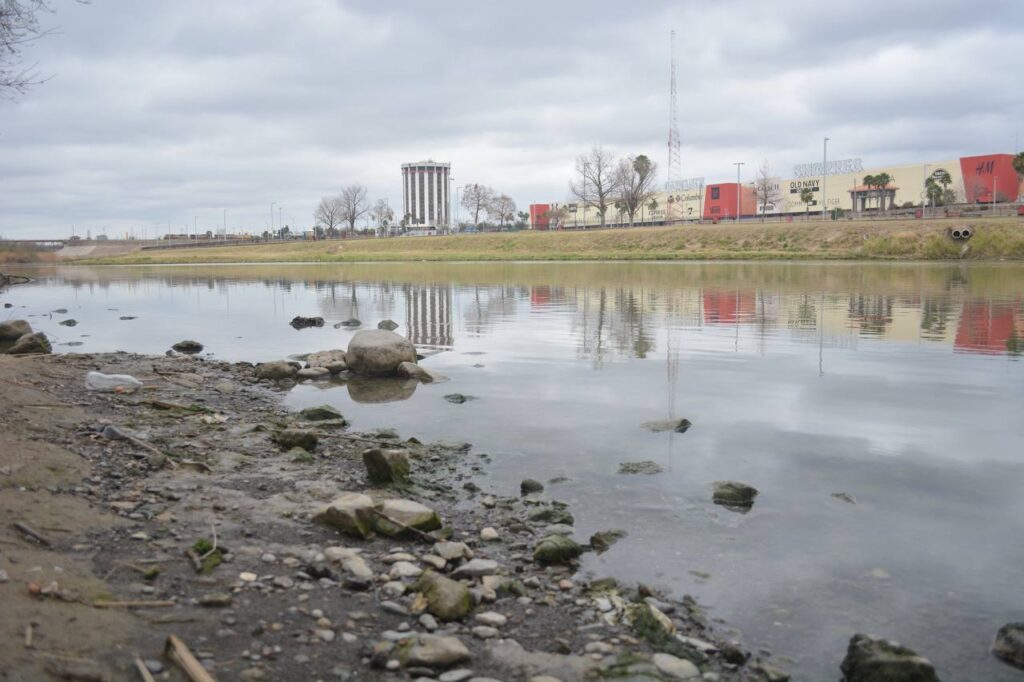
[28,636]
[420,535]
[143,670]
[178,652]
[197,563]
[103,604]
[31,534]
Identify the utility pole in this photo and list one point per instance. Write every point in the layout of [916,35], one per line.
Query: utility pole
[824,175]
[738,188]
[225,224]
[272,204]
[279,223]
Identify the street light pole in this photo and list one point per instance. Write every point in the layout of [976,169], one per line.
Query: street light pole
[738,188]
[225,224]
[272,205]
[824,175]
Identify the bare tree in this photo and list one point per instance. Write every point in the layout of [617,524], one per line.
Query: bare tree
[477,198]
[382,216]
[635,180]
[354,205]
[328,213]
[19,26]
[502,209]
[596,183]
[766,188]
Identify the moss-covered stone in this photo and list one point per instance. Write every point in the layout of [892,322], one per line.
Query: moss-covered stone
[556,549]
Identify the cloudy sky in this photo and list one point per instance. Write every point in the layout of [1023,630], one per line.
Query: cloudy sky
[159,114]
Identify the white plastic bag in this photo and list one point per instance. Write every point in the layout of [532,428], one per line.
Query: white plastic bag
[109,383]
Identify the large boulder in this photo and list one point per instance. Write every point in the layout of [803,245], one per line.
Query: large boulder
[446,599]
[351,513]
[378,352]
[873,659]
[409,514]
[12,330]
[433,651]
[387,467]
[31,344]
[275,371]
[1009,644]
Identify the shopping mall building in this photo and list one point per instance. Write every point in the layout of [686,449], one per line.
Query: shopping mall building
[982,179]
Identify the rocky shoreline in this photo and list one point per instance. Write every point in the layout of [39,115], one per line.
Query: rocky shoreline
[130,492]
[190,516]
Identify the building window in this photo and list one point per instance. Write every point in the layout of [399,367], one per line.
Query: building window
[715,191]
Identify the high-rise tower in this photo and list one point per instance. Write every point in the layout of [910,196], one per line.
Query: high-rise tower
[425,194]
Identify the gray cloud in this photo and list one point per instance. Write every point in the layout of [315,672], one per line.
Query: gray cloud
[162,112]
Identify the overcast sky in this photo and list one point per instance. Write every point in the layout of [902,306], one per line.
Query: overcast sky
[160,112]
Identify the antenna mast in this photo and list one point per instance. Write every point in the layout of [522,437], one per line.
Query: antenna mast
[674,170]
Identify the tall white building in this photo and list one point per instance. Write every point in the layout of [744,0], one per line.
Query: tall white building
[425,194]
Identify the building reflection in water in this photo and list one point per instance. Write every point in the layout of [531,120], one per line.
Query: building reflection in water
[428,315]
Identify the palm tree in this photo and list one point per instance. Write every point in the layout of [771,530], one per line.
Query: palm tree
[882,181]
[807,196]
[653,206]
[869,182]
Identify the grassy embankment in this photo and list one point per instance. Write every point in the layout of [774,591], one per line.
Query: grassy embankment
[25,254]
[994,238]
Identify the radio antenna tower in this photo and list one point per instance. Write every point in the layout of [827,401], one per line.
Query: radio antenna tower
[674,170]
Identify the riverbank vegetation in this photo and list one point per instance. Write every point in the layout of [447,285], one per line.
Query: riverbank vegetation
[993,239]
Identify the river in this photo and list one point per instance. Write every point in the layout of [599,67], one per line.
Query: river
[899,385]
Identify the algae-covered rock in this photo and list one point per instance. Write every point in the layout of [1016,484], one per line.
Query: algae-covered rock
[556,549]
[447,599]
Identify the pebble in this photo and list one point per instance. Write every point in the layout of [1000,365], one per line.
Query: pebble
[215,599]
[485,632]
[565,584]
[675,668]
[457,675]
[349,637]
[284,582]
[3,576]
[325,635]
[491,618]
[660,605]
[154,666]
[392,607]
[393,588]
[476,568]
[247,577]
[489,535]
[404,569]
[434,561]
[268,558]
[598,648]
[428,622]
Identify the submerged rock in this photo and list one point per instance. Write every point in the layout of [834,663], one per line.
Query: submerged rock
[387,325]
[68,323]
[733,495]
[1009,644]
[872,659]
[377,352]
[845,497]
[556,549]
[188,346]
[446,599]
[458,398]
[320,414]
[645,467]
[350,323]
[387,467]
[553,514]
[313,373]
[602,541]
[275,371]
[31,344]
[300,322]
[13,330]
[676,425]
[529,486]
[351,513]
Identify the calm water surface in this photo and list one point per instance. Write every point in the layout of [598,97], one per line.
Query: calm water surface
[897,384]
